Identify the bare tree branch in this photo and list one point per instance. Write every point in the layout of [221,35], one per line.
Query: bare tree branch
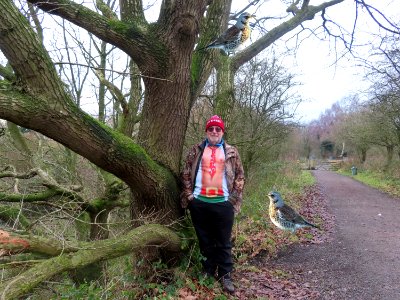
[305,13]
[371,10]
[111,31]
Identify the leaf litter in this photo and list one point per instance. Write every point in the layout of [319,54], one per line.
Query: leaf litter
[255,277]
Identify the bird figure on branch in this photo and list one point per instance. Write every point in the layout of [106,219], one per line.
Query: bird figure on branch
[285,217]
[234,37]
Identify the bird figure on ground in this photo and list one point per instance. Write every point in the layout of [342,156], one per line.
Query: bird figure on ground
[283,216]
[234,37]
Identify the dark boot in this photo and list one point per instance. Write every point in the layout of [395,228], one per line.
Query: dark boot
[227,284]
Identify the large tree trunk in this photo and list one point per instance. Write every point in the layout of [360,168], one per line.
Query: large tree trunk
[130,116]
[363,155]
[389,156]
[225,99]
[163,53]
[41,103]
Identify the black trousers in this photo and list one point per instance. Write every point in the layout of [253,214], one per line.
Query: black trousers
[213,223]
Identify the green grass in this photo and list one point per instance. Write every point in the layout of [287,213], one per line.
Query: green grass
[378,180]
[278,176]
[253,231]
[253,235]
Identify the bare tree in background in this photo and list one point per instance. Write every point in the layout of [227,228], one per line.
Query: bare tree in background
[264,106]
[384,94]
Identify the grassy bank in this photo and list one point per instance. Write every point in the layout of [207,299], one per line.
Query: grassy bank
[382,181]
[254,237]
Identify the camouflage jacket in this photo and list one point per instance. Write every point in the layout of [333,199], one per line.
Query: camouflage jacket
[233,171]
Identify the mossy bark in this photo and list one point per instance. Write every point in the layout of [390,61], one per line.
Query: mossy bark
[225,98]
[13,216]
[152,235]
[154,184]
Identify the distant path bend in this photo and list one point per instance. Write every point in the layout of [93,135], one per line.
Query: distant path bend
[362,261]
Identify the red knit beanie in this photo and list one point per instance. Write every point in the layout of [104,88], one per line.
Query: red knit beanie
[215,121]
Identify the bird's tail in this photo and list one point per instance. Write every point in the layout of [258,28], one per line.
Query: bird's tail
[213,45]
[208,47]
[201,49]
[313,225]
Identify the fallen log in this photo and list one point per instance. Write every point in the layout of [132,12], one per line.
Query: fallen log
[151,235]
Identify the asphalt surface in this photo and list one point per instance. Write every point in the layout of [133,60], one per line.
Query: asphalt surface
[362,258]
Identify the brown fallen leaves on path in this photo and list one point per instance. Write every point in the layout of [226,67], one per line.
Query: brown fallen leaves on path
[271,283]
[257,278]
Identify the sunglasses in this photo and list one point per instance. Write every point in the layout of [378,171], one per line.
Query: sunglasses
[211,129]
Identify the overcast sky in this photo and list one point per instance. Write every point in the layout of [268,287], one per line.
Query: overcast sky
[324,81]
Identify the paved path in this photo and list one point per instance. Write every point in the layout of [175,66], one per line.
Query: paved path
[362,261]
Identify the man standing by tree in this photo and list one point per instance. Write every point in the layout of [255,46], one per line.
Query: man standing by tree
[213,181]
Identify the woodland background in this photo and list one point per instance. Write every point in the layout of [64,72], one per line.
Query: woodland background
[99,108]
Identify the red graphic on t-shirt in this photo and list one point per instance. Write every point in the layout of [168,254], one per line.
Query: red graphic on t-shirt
[213,168]
[213,165]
